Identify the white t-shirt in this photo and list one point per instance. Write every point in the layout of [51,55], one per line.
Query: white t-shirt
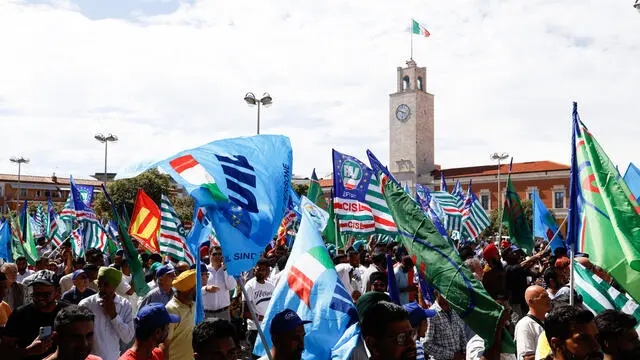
[259,295]
[343,273]
[475,350]
[526,336]
[27,273]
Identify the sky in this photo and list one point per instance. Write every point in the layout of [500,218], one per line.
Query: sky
[168,75]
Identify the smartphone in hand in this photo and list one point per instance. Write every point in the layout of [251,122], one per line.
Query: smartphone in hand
[45,332]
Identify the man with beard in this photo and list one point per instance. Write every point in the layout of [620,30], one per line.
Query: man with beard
[73,331]
[152,329]
[404,275]
[178,345]
[287,334]
[388,333]
[23,271]
[572,334]
[259,290]
[617,335]
[494,276]
[25,322]
[113,315]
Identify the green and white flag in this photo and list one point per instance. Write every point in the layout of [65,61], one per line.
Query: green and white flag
[172,239]
[598,296]
[381,214]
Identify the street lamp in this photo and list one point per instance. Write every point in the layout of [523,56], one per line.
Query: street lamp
[637,5]
[105,140]
[499,157]
[19,160]
[252,101]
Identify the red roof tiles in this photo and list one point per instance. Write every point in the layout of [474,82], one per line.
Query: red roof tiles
[485,170]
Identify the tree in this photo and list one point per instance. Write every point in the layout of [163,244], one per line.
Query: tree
[301,189]
[124,191]
[184,207]
[492,230]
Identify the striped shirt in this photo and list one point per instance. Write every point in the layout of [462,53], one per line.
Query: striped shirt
[419,350]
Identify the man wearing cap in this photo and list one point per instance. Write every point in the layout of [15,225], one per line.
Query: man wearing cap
[178,345]
[113,315]
[66,282]
[80,289]
[151,274]
[164,292]
[215,296]
[418,317]
[493,278]
[25,322]
[152,329]
[287,335]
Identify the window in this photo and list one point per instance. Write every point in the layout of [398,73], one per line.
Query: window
[420,83]
[558,199]
[1,189]
[38,193]
[23,193]
[405,83]
[484,200]
[530,195]
[47,194]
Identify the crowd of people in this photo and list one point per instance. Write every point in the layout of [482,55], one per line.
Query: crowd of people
[86,308]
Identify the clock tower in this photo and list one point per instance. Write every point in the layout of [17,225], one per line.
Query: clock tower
[411,143]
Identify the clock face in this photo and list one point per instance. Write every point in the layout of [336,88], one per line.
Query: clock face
[402,112]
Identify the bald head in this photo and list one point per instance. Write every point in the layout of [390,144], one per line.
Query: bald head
[533,293]
[538,300]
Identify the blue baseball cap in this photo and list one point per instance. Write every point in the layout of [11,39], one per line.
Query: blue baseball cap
[153,316]
[164,270]
[417,313]
[76,274]
[285,321]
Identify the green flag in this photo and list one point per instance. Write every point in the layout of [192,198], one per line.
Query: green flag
[332,231]
[315,192]
[514,219]
[441,265]
[608,220]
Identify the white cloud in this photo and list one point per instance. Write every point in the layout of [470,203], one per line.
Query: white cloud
[503,73]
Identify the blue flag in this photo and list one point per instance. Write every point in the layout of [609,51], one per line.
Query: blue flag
[244,185]
[632,178]
[394,293]
[86,193]
[544,225]
[443,183]
[313,290]
[5,241]
[199,234]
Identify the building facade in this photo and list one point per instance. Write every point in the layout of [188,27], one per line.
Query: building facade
[37,189]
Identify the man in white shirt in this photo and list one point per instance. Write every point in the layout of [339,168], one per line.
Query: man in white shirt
[259,290]
[23,272]
[113,315]
[379,264]
[215,295]
[529,328]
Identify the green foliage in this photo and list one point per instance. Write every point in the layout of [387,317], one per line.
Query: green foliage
[184,207]
[492,230]
[125,190]
[301,189]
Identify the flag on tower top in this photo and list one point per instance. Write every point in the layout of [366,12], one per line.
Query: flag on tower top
[419,29]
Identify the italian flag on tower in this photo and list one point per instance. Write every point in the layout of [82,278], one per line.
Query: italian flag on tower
[419,29]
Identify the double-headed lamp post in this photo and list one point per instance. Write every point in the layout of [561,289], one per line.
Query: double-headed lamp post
[19,160]
[499,158]
[106,140]
[251,99]
[637,5]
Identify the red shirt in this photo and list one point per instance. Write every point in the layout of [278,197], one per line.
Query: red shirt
[131,355]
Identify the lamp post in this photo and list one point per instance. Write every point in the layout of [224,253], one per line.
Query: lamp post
[19,160]
[499,157]
[106,140]
[637,5]
[251,99]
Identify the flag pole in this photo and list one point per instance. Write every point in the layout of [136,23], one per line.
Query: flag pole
[263,339]
[411,34]
[572,277]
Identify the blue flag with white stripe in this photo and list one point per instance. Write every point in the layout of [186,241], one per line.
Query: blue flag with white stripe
[244,185]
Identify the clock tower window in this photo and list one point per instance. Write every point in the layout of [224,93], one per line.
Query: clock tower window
[405,83]
[420,83]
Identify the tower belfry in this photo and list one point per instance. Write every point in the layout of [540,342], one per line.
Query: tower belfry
[411,141]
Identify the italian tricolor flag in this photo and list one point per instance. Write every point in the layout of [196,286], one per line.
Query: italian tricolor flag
[306,270]
[419,29]
[192,171]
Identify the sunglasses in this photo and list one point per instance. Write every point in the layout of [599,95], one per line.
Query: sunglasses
[404,338]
